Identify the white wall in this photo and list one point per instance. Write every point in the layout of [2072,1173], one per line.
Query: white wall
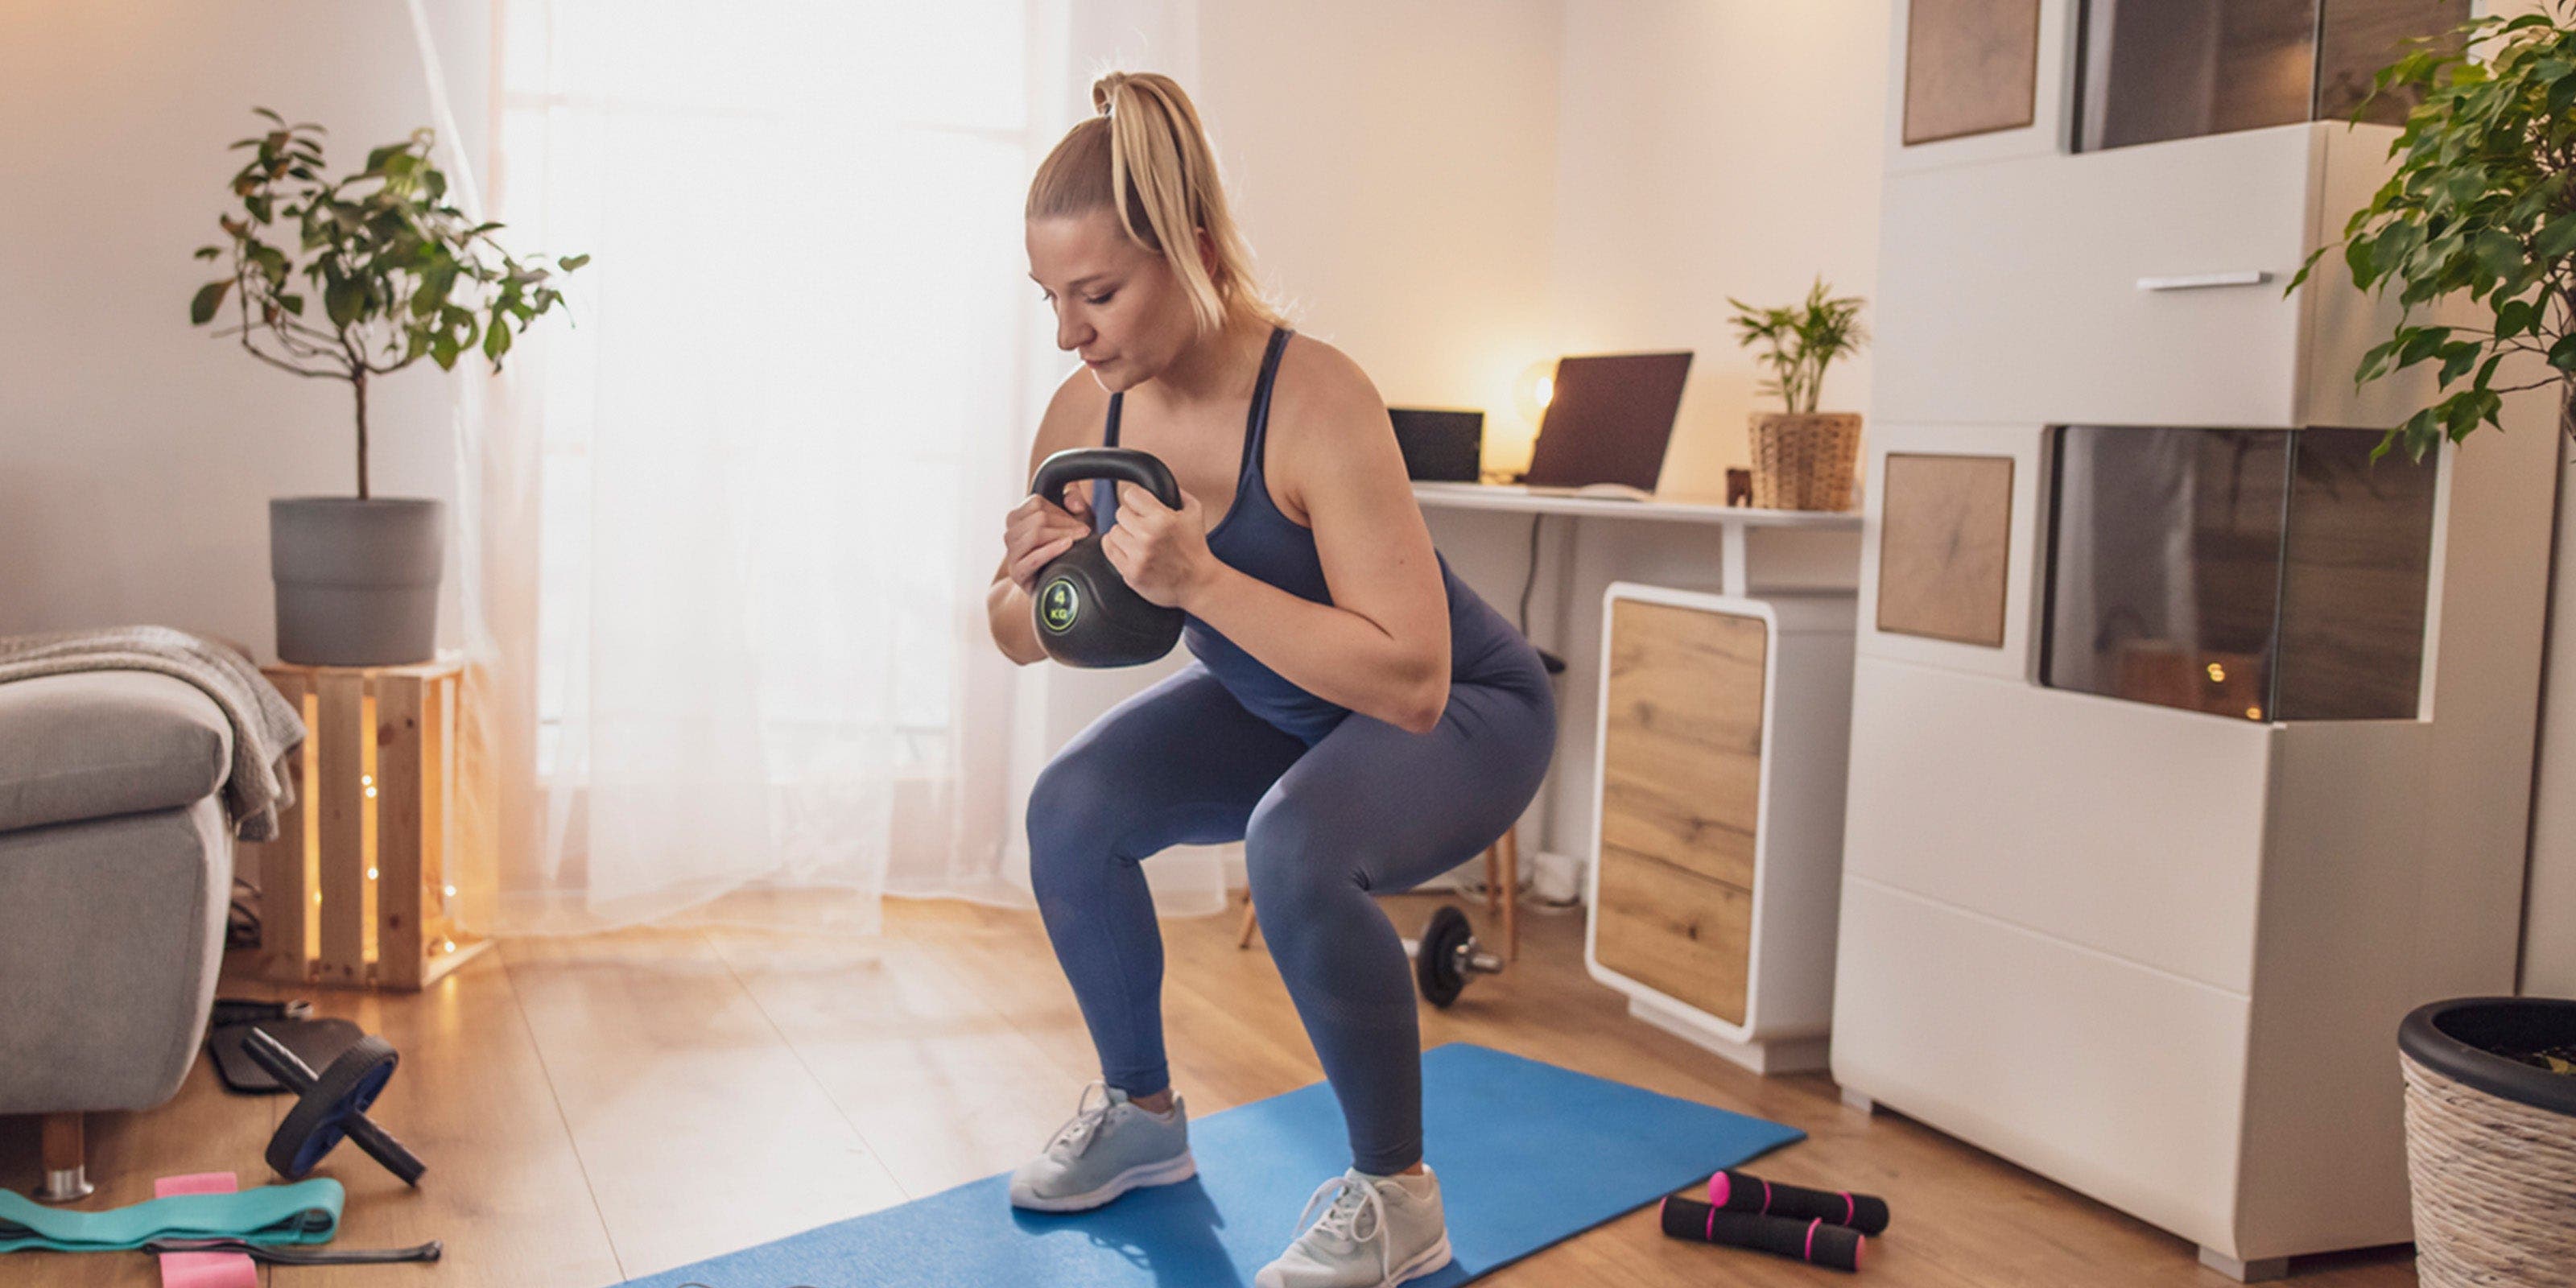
[137,454]
[1392,165]
[1710,149]
[2549,896]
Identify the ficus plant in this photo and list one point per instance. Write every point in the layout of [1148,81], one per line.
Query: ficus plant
[1799,341]
[399,274]
[2482,204]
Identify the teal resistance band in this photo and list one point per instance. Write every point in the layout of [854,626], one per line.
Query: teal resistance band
[305,1212]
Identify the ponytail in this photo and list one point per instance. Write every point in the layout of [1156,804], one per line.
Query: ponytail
[1146,157]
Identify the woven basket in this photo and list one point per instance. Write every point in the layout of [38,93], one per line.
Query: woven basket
[1804,461]
[2490,1145]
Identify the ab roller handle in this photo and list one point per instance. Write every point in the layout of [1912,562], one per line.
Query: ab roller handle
[1812,1241]
[1085,613]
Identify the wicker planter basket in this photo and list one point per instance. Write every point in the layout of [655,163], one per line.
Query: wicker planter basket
[1804,461]
[2490,1143]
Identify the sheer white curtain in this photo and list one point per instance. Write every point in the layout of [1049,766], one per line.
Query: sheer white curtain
[728,527]
[722,533]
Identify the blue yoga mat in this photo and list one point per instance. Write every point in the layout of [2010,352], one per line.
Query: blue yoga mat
[1528,1154]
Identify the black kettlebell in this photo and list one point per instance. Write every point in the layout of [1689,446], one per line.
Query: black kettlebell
[1086,614]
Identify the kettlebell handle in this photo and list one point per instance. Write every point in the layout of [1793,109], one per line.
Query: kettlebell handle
[1125,464]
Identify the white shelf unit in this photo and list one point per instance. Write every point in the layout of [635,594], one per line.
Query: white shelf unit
[2157,955]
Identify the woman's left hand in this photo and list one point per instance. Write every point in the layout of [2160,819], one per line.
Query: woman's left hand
[1162,552]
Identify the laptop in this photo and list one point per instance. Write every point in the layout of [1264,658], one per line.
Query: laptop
[1606,427]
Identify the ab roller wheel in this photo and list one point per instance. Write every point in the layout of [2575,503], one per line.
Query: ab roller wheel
[331,1105]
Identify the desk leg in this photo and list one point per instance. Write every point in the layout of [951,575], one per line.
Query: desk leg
[1732,579]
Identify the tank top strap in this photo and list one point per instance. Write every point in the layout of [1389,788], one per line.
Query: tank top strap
[1116,401]
[1256,425]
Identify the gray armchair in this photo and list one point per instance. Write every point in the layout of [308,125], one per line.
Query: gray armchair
[116,862]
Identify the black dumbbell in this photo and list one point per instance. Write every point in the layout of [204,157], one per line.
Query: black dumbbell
[330,1105]
[1446,955]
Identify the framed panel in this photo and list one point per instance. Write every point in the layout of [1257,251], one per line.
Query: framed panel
[1971,67]
[1945,543]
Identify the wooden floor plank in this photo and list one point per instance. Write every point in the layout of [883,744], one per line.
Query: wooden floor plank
[938,1083]
[698,1128]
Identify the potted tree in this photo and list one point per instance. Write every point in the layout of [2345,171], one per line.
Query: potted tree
[399,275]
[1802,458]
[2480,218]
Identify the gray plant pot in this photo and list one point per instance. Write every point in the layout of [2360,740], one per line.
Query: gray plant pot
[357,581]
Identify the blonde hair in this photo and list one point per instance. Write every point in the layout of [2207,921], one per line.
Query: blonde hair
[1146,157]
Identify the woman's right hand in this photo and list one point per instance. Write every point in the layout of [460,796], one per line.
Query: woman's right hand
[1039,529]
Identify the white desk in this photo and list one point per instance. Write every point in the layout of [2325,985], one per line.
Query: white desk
[1487,535]
[1799,549]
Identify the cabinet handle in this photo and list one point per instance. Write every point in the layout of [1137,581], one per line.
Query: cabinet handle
[2203,281]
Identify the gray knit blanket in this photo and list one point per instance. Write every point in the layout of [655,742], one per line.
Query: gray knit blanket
[265,728]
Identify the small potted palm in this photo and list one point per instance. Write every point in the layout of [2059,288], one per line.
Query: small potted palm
[1803,459]
[399,276]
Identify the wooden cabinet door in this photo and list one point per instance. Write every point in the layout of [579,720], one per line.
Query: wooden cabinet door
[1681,779]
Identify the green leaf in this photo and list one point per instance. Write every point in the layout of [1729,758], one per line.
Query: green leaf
[2457,359]
[2513,317]
[340,301]
[496,341]
[209,298]
[2562,355]
[2499,253]
[2558,237]
[569,263]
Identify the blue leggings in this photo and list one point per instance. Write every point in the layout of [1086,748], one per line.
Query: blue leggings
[1367,808]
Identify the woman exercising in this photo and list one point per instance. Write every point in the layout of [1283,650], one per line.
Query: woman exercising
[1356,716]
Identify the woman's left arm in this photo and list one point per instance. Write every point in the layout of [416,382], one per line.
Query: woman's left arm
[1382,646]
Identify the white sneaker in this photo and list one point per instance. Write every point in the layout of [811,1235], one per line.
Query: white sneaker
[1376,1232]
[1105,1151]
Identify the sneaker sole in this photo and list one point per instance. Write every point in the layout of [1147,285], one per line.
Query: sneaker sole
[1170,1171]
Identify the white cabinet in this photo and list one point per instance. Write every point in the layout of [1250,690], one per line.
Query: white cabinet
[2160,955]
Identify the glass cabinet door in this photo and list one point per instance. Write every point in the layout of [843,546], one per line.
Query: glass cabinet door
[2170,69]
[2264,574]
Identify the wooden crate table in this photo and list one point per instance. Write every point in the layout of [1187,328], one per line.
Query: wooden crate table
[356,889]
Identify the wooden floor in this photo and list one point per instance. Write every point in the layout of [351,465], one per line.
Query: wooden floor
[596,1109]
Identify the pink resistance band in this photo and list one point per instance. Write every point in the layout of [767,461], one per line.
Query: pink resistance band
[204,1269]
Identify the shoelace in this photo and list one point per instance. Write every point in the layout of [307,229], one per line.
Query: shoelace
[1084,1127]
[1351,1200]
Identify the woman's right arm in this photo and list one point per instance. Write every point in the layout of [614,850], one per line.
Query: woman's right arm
[1039,529]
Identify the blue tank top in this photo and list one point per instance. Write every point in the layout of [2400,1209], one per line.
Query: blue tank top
[1255,538]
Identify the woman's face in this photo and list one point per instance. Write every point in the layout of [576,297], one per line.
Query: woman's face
[1117,304]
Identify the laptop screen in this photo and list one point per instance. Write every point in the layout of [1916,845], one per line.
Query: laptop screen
[1609,420]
